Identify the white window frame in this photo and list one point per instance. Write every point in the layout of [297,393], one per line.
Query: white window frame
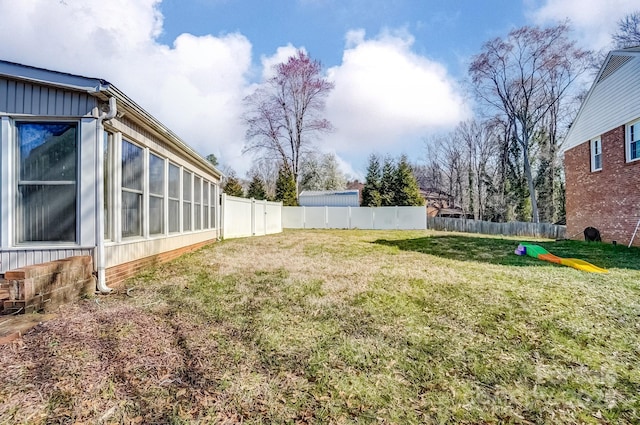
[158,196]
[187,216]
[632,133]
[173,200]
[206,223]
[596,154]
[139,192]
[18,224]
[197,203]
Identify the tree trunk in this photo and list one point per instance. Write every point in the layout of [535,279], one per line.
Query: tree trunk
[530,183]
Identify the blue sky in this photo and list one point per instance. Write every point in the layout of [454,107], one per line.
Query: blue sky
[398,65]
[444,30]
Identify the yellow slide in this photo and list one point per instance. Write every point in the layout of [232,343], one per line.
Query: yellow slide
[582,265]
[536,251]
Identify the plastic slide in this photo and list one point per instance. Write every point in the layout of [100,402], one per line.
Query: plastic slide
[536,251]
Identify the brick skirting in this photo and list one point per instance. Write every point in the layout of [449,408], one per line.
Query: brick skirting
[115,276]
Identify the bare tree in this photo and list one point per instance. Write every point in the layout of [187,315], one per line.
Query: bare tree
[283,116]
[481,147]
[321,172]
[628,34]
[267,170]
[514,76]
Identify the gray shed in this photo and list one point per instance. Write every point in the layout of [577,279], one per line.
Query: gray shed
[329,198]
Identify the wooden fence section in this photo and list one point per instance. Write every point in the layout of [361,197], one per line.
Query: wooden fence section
[514,228]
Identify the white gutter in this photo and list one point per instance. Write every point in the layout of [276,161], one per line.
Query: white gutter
[100,255]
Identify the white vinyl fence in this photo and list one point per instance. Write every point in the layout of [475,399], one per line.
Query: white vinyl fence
[404,218]
[243,217]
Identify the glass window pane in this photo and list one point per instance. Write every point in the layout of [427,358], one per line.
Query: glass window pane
[156,215]
[156,175]
[47,213]
[132,166]
[186,201]
[174,181]
[174,214]
[186,216]
[196,189]
[186,186]
[205,205]
[47,151]
[131,214]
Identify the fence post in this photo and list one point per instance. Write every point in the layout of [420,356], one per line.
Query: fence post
[253,217]
[223,224]
[264,216]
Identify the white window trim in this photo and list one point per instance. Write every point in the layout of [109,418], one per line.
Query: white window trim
[172,199]
[16,225]
[163,196]
[627,140]
[143,193]
[593,145]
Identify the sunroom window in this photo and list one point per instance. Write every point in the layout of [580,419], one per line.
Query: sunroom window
[132,189]
[156,195]
[174,198]
[205,205]
[186,201]
[197,203]
[47,181]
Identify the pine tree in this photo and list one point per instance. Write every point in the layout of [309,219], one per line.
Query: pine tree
[407,192]
[371,190]
[257,188]
[286,188]
[388,183]
[233,187]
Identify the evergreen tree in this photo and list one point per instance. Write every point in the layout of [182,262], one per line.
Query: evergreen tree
[257,188]
[407,192]
[387,183]
[286,188]
[212,159]
[233,187]
[371,190]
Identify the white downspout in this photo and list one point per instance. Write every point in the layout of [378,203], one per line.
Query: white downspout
[100,255]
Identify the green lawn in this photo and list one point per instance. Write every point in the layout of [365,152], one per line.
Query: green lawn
[344,327]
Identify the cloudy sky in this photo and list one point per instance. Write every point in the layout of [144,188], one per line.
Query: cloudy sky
[398,65]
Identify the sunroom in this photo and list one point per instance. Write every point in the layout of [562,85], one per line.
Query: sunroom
[85,171]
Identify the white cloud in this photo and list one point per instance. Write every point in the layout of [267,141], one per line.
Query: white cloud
[592,20]
[386,97]
[194,86]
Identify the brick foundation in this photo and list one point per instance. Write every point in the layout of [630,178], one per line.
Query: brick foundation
[115,276]
[608,199]
[44,287]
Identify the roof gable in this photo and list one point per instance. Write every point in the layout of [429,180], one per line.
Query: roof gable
[613,99]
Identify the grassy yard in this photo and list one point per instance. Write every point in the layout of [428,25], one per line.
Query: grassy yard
[344,327]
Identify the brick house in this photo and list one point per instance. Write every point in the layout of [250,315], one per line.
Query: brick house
[86,172]
[602,153]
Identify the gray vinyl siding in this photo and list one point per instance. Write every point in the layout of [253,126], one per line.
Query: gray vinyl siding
[16,258]
[18,97]
[612,102]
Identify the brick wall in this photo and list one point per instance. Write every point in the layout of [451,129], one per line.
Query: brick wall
[609,199]
[43,287]
[116,275]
